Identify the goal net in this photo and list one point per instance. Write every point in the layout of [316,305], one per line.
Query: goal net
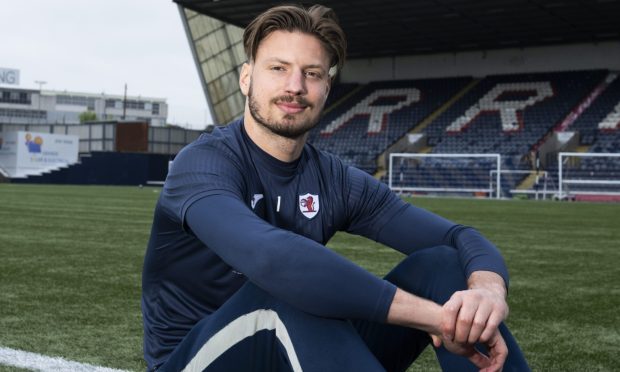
[445,174]
[589,176]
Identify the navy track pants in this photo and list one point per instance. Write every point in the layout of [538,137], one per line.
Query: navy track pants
[253,331]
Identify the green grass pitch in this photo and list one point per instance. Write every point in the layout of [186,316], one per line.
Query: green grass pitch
[71,258]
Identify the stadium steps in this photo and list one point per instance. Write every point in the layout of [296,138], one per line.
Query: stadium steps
[382,172]
[528,182]
[420,127]
[45,171]
[342,99]
[586,103]
[4,175]
[50,170]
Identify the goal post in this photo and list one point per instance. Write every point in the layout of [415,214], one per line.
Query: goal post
[589,175]
[447,174]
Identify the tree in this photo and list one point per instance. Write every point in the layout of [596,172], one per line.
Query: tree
[87,116]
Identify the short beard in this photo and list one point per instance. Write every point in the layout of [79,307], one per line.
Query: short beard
[290,131]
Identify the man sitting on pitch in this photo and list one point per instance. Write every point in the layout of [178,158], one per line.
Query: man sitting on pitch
[237,276]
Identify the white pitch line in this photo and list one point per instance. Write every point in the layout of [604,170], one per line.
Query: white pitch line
[38,362]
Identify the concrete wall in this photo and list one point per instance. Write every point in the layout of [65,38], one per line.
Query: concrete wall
[482,63]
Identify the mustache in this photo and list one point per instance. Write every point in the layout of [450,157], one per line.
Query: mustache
[292,99]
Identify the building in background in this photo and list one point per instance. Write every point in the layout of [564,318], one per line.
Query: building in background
[218,52]
[31,106]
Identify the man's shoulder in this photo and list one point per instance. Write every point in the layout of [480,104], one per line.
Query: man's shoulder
[215,150]
[219,136]
[223,140]
[211,162]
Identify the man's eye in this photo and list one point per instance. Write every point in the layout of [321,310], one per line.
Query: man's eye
[313,74]
[277,68]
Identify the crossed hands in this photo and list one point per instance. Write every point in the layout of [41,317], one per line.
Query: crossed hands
[472,316]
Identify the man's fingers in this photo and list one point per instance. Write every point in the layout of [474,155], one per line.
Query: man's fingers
[450,313]
[436,340]
[491,326]
[480,360]
[498,352]
[470,316]
[464,321]
[479,323]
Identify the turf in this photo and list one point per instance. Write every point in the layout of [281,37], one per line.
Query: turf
[71,258]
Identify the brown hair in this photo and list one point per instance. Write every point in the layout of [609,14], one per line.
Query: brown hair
[318,21]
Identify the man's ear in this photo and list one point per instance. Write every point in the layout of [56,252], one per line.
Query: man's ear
[245,78]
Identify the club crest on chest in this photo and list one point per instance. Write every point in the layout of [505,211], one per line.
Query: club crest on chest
[309,205]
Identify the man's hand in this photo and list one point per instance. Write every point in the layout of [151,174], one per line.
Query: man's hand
[496,346]
[473,315]
[469,317]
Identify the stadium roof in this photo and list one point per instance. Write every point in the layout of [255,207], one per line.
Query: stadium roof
[401,27]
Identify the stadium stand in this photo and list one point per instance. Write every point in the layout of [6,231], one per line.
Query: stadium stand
[510,115]
[339,92]
[598,128]
[537,103]
[506,114]
[598,125]
[367,122]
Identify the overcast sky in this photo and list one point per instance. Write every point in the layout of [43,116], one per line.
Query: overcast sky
[96,46]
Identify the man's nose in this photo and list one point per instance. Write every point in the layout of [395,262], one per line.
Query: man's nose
[296,83]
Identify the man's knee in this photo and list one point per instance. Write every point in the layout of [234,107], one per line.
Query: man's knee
[312,342]
[433,273]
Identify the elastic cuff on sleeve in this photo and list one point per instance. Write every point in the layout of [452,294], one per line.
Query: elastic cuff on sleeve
[384,302]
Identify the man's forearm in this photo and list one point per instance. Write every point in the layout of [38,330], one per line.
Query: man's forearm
[414,312]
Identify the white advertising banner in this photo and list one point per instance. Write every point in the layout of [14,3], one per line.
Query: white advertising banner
[31,153]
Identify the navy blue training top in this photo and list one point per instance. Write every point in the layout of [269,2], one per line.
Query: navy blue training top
[229,212]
